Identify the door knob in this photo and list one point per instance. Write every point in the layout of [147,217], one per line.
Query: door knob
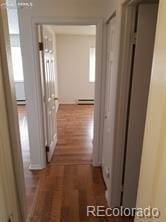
[56,98]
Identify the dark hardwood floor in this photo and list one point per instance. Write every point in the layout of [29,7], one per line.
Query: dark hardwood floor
[62,191]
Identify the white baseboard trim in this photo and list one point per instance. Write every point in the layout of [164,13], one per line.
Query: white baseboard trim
[29,219]
[107,197]
[67,103]
[35,167]
[23,102]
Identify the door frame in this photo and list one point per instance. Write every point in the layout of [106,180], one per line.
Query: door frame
[99,84]
[130,177]
[125,28]
[126,25]
[12,116]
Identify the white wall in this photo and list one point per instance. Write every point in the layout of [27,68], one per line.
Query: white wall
[20,92]
[73,67]
[8,190]
[46,11]
[56,70]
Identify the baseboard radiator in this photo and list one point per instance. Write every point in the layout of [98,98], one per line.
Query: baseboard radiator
[85,101]
[21,102]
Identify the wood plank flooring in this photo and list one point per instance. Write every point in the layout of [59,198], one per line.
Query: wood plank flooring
[32,178]
[62,191]
[75,135]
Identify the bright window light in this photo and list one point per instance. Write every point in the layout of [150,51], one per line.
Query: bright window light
[17,64]
[92,64]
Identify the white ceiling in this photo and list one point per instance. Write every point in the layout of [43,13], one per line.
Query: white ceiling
[74,30]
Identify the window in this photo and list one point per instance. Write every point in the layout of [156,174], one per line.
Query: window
[92,64]
[17,64]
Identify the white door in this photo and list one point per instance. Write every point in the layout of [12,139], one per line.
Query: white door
[49,90]
[110,99]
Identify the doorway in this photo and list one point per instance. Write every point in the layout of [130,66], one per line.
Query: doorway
[136,53]
[68,64]
[142,47]
[33,178]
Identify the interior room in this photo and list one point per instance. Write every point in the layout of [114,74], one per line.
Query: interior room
[74,84]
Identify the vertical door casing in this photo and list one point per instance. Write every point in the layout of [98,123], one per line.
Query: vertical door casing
[11,166]
[110,104]
[146,25]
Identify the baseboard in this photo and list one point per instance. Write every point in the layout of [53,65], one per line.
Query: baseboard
[85,101]
[21,102]
[35,167]
[77,101]
[29,219]
[107,197]
[67,103]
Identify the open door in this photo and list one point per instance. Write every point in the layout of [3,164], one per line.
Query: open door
[48,80]
[110,103]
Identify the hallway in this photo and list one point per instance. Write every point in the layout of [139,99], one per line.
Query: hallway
[63,190]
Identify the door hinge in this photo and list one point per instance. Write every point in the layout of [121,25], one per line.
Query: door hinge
[41,47]
[47,149]
[133,38]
